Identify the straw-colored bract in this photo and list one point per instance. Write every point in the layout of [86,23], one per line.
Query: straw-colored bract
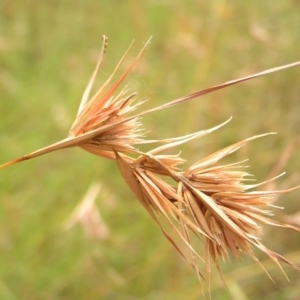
[209,200]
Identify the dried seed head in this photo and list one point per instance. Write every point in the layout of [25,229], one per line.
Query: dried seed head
[210,201]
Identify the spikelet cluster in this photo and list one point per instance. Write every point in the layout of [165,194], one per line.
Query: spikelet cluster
[212,201]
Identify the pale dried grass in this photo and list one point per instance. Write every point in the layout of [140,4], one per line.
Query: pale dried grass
[88,216]
[209,200]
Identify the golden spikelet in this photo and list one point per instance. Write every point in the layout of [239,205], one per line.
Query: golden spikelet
[209,200]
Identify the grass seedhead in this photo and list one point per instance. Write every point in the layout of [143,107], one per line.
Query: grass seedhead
[208,200]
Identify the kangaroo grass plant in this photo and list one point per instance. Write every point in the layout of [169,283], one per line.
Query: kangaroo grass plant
[209,200]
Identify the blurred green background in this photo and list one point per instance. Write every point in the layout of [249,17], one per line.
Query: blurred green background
[48,50]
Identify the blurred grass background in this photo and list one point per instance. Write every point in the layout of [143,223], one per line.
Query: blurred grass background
[48,50]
